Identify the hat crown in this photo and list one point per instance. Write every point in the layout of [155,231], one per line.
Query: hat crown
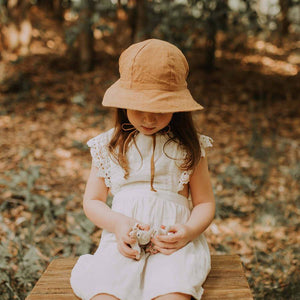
[153,65]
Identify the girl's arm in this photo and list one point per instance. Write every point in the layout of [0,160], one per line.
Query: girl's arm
[203,200]
[96,209]
[201,215]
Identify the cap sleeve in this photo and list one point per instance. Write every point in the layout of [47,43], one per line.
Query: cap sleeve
[205,141]
[100,155]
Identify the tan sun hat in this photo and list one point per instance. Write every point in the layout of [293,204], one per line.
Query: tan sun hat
[152,79]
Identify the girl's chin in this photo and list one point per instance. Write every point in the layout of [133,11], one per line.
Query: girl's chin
[147,131]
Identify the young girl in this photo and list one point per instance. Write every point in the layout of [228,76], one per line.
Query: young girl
[152,162]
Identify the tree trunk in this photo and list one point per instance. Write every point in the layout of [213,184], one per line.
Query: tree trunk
[210,47]
[58,10]
[123,28]
[217,20]
[85,38]
[284,21]
[138,20]
[45,4]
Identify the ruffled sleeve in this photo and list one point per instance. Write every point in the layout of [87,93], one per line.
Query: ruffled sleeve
[100,155]
[205,141]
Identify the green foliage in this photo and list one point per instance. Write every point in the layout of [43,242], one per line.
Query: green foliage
[171,21]
[234,177]
[79,99]
[84,231]
[4,257]
[295,171]
[183,22]
[3,12]
[79,145]
[28,264]
[29,268]
[96,8]
[274,289]
[179,22]
[26,249]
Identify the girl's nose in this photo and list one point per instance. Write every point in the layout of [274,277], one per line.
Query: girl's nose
[150,118]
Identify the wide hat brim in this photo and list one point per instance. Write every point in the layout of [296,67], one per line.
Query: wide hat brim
[156,101]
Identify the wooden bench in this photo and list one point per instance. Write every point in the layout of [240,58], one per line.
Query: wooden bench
[225,281]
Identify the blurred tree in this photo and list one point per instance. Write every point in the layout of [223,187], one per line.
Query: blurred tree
[45,4]
[56,7]
[216,15]
[180,22]
[85,37]
[87,15]
[138,20]
[283,19]
[59,8]
[123,29]
[185,22]
[171,21]
[15,25]
[217,12]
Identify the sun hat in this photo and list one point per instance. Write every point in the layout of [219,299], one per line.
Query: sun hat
[153,79]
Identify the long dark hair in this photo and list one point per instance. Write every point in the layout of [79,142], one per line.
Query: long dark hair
[182,131]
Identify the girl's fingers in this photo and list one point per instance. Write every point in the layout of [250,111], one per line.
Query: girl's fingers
[172,238]
[165,251]
[128,239]
[165,245]
[127,251]
[122,251]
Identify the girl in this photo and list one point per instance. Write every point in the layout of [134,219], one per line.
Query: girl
[151,161]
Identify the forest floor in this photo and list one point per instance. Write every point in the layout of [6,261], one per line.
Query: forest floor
[48,111]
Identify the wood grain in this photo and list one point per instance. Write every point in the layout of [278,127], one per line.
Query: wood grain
[225,281]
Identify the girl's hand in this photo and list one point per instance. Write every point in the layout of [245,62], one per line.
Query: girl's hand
[121,230]
[179,236]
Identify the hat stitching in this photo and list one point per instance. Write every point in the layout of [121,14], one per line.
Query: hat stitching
[134,61]
[171,66]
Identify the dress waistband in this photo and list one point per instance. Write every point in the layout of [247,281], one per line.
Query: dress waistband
[133,190]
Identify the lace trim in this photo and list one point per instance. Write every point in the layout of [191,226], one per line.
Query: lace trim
[205,141]
[100,158]
[184,179]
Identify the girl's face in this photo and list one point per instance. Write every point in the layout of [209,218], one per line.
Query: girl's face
[148,123]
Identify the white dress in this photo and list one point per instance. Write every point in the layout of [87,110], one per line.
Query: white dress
[108,271]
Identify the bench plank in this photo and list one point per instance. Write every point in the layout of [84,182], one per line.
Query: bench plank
[226,280]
